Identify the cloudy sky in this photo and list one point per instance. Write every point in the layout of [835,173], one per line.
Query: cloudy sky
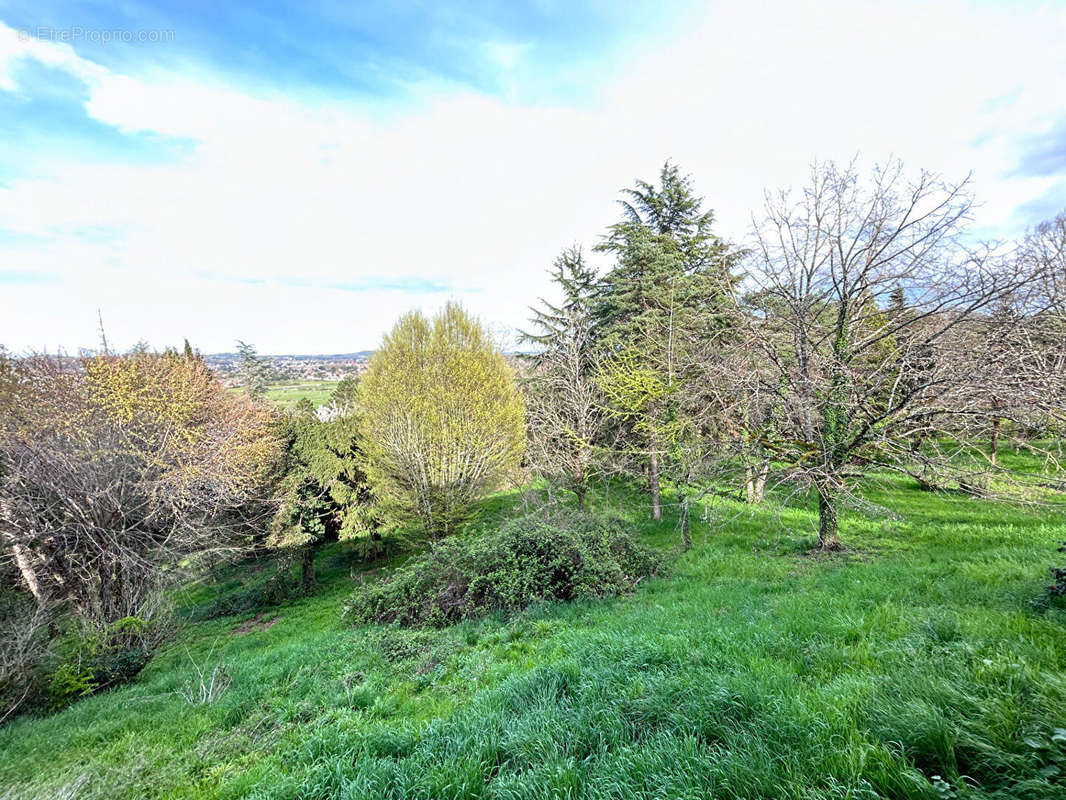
[299,177]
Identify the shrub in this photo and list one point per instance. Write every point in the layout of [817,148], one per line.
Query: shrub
[24,647]
[88,657]
[528,560]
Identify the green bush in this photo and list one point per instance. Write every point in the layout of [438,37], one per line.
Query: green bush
[50,657]
[528,560]
[88,658]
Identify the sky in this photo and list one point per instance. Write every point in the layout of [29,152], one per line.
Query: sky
[299,174]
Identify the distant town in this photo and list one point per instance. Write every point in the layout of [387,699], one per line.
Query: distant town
[295,368]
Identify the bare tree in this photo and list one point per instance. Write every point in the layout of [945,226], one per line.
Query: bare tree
[116,471]
[1042,254]
[868,318]
[564,410]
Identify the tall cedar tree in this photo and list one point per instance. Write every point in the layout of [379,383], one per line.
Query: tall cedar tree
[665,296]
[253,369]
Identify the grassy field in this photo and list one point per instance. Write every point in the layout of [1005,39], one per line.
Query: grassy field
[922,663]
[287,395]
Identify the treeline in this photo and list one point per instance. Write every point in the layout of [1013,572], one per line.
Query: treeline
[857,329]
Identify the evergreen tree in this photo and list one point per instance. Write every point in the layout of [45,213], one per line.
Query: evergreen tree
[572,320]
[672,271]
[663,300]
[253,370]
[323,493]
[344,396]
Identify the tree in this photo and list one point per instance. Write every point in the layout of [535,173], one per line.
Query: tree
[345,395]
[666,295]
[117,472]
[253,370]
[323,491]
[562,400]
[441,420]
[858,386]
[1042,254]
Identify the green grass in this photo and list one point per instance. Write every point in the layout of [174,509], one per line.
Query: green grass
[748,669]
[287,395]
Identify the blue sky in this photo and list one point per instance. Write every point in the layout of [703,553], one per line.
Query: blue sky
[299,174]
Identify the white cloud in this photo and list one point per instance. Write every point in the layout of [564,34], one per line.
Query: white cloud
[481,194]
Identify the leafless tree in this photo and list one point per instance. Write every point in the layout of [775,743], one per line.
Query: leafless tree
[564,406]
[1043,309]
[564,414]
[116,472]
[868,321]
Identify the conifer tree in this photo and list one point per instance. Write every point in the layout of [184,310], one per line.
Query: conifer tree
[323,493]
[663,300]
[254,370]
[572,319]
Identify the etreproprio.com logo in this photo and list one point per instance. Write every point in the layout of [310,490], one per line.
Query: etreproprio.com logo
[76,33]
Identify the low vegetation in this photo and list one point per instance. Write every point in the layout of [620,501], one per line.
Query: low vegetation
[750,668]
[530,559]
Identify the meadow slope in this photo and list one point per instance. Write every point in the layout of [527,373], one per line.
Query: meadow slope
[921,663]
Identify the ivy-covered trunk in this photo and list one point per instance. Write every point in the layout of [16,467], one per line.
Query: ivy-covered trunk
[836,425]
[828,519]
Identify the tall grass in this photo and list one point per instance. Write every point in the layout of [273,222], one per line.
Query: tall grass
[751,669]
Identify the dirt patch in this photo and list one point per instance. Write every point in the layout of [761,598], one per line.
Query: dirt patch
[256,623]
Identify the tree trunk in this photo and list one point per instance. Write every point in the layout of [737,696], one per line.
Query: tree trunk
[760,481]
[755,482]
[29,574]
[307,569]
[994,445]
[686,528]
[653,482]
[828,521]
[580,491]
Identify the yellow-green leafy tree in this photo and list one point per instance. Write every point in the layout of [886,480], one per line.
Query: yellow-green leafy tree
[117,473]
[442,422]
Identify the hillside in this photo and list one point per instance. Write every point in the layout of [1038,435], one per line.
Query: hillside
[748,668]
